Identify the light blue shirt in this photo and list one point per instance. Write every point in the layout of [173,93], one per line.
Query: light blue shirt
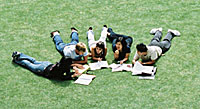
[69,52]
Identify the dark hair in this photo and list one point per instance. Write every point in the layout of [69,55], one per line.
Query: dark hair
[123,42]
[141,47]
[101,45]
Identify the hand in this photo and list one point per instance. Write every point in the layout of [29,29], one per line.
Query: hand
[121,62]
[99,59]
[76,74]
[80,66]
[133,62]
[117,52]
[140,62]
[108,34]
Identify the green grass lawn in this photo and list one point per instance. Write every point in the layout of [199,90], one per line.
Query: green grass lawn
[25,26]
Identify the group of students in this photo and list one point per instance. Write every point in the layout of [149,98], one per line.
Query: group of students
[75,53]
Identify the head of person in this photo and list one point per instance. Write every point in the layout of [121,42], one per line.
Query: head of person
[120,43]
[141,49]
[100,47]
[80,48]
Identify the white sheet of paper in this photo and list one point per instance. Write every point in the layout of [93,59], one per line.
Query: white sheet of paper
[120,67]
[98,65]
[85,79]
[86,67]
[139,69]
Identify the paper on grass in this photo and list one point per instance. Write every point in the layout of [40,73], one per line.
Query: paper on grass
[86,67]
[85,79]
[139,69]
[120,67]
[98,65]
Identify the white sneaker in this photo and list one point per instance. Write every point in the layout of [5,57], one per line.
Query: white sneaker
[56,33]
[175,32]
[153,31]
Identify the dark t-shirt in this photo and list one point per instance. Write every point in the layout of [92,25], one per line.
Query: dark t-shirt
[60,70]
[122,54]
[101,55]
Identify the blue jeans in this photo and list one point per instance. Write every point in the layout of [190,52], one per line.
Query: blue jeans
[113,37]
[60,45]
[165,44]
[30,63]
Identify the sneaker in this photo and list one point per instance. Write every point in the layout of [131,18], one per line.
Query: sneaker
[174,32]
[53,33]
[90,28]
[109,30]
[15,55]
[74,29]
[153,31]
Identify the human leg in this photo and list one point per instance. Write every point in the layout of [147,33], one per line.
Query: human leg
[21,56]
[90,37]
[114,44]
[129,41]
[166,43]
[111,35]
[104,35]
[36,66]
[59,43]
[75,38]
[156,39]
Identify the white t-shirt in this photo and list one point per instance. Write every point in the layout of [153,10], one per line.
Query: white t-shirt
[153,52]
[69,52]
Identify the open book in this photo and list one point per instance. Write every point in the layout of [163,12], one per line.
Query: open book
[139,69]
[120,67]
[98,65]
[86,67]
[85,79]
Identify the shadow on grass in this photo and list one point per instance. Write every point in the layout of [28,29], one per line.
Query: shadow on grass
[61,83]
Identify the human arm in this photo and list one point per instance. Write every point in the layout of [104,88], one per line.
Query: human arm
[76,72]
[136,57]
[116,54]
[78,66]
[105,53]
[84,61]
[125,59]
[148,63]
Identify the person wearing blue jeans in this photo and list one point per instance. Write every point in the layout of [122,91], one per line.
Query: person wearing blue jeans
[74,50]
[149,54]
[60,45]
[112,36]
[60,70]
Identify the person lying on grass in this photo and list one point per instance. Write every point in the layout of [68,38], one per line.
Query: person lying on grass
[120,50]
[121,45]
[149,54]
[60,70]
[98,48]
[74,50]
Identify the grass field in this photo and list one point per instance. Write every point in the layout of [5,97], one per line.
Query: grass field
[25,26]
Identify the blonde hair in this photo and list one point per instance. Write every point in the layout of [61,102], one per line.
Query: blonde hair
[81,46]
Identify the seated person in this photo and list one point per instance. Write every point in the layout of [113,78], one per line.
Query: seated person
[112,36]
[60,70]
[98,48]
[74,50]
[149,54]
[121,51]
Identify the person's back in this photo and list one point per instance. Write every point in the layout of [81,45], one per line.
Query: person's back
[60,70]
